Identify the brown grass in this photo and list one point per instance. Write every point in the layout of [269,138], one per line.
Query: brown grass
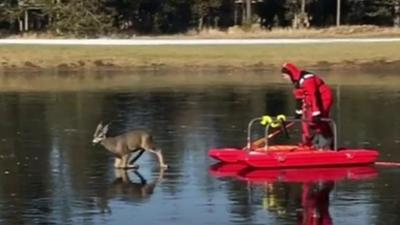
[231,57]
[189,81]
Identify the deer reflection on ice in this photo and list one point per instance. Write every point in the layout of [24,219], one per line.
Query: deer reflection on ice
[129,186]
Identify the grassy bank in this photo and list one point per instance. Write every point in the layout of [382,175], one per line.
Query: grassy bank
[181,80]
[235,57]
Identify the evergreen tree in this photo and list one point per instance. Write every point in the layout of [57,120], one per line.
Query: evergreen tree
[98,17]
[173,16]
[272,13]
[125,12]
[390,10]
[205,13]
[376,12]
[10,14]
[80,18]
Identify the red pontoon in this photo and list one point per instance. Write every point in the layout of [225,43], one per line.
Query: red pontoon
[284,156]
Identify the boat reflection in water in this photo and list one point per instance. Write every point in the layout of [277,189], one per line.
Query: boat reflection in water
[315,203]
[312,187]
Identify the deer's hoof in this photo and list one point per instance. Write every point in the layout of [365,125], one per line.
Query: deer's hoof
[133,167]
[164,166]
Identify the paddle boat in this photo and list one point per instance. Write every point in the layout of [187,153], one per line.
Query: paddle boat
[285,156]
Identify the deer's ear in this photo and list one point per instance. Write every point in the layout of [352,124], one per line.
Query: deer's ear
[105,128]
[98,128]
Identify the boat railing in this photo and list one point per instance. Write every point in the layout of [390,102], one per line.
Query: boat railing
[282,122]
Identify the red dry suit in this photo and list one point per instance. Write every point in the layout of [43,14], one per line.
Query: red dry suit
[314,100]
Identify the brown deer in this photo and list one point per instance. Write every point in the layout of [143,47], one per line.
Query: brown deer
[124,145]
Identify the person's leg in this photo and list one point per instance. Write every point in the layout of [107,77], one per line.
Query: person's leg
[323,139]
[307,136]
[322,142]
[307,132]
[326,128]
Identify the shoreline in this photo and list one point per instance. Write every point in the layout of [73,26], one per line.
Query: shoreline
[27,67]
[193,41]
[173,80]
[41,55]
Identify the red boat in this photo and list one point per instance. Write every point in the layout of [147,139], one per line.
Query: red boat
[284,156]
[297,157]
[228,155]
[309,158]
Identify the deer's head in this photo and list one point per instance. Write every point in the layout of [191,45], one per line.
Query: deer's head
[100,133]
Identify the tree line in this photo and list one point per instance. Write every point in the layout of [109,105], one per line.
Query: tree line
[102,17]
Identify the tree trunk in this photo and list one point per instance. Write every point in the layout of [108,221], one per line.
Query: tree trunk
[200,24]
[248,11]
[303,6]
[338,12]
[301,19]
[243,14]
[26,20]
[235,15]
[396,16]
[21,25]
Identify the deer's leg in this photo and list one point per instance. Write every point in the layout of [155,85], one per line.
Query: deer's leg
[125,162]
[117,163]
[141,178]
[125,177]
[132,161]
[159,156]
[118,176]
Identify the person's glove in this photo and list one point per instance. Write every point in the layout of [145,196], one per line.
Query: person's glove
[299,93]
[298,113]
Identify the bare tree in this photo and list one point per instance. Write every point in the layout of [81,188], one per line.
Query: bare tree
[338,12]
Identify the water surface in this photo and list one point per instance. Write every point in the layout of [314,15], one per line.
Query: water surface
[50,173]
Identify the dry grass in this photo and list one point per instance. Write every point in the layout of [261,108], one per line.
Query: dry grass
[193,81]
[230,57]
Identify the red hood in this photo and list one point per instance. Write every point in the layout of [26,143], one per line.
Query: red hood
[294,72]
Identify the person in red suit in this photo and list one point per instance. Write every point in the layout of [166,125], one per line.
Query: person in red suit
[313,102]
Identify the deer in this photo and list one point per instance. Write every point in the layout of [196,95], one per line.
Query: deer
[124,145]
